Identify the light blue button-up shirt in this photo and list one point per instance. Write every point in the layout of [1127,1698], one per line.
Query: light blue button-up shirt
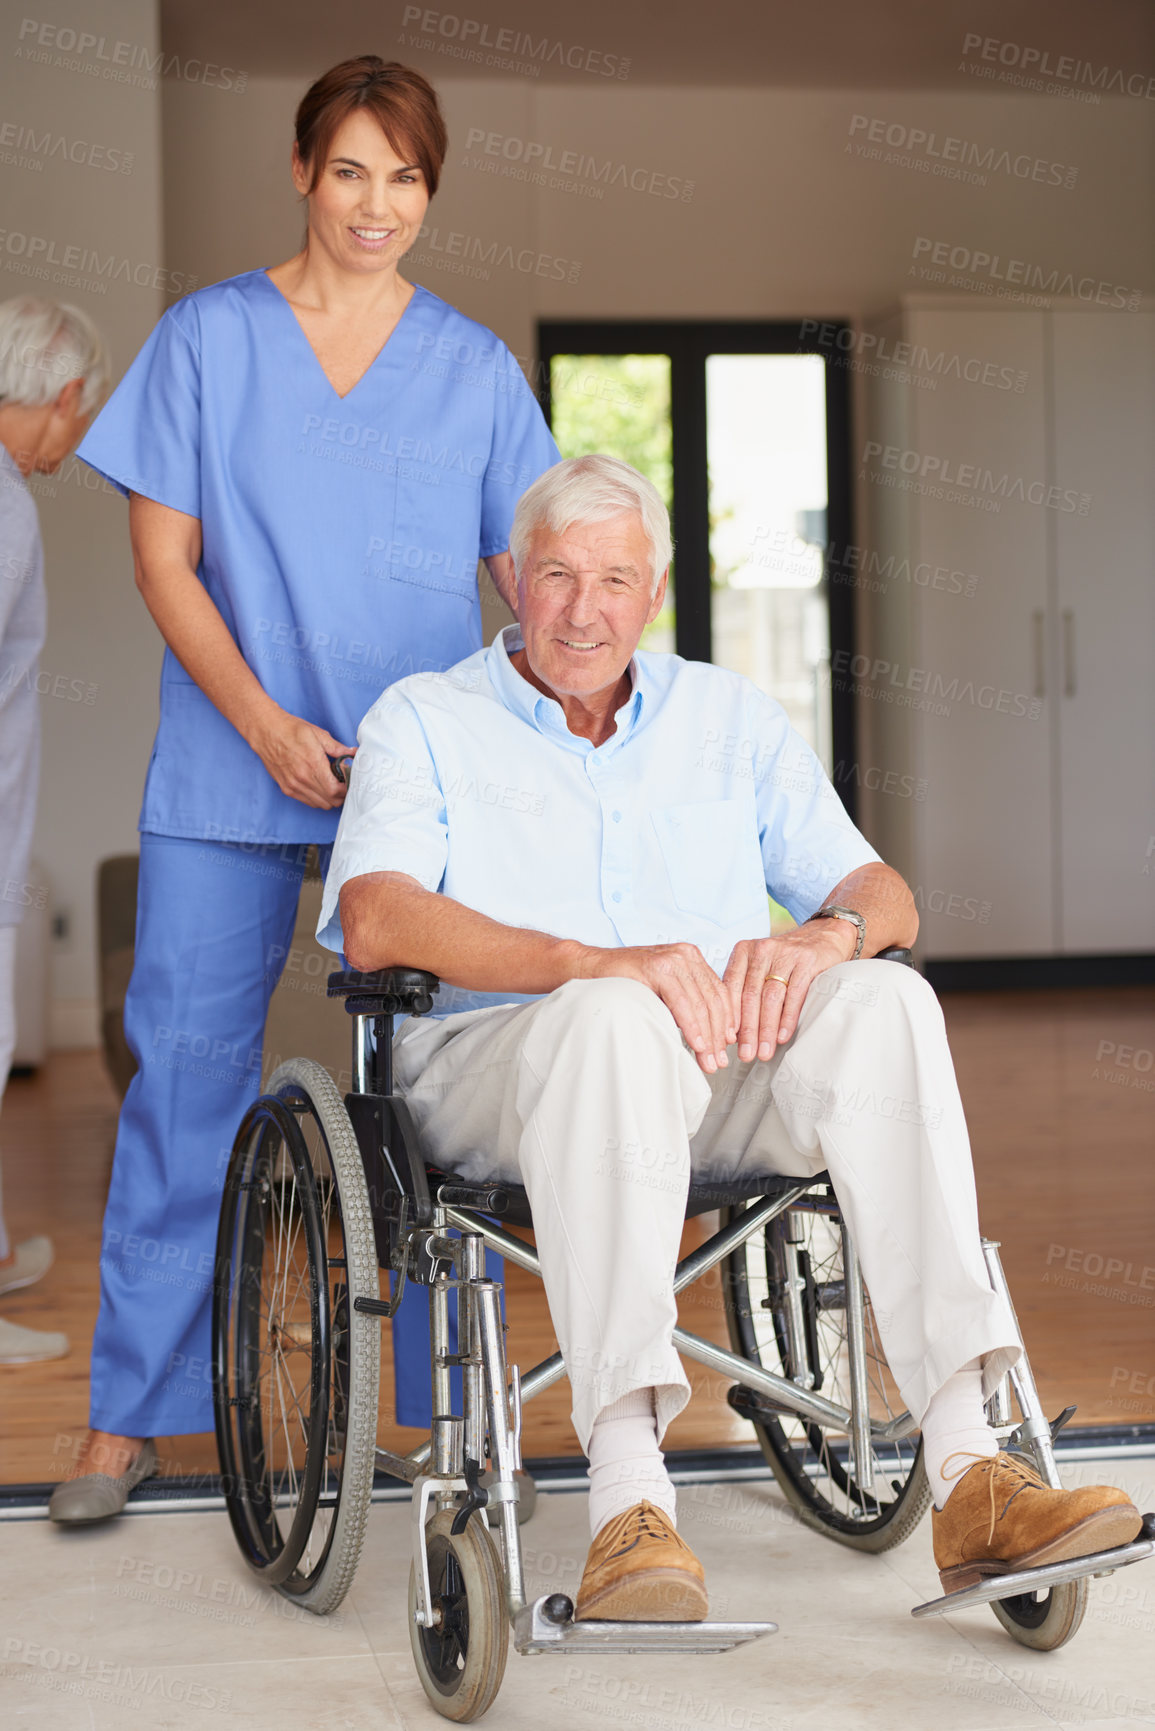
[701,801]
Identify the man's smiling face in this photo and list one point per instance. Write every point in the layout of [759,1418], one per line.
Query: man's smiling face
[585,594]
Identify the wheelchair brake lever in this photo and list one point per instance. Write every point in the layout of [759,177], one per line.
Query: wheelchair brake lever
[1064,1417]
[400,1259]
[476,1495]
[399,1262]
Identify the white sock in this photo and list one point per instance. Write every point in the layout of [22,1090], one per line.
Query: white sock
[626,1464]
[955,1423]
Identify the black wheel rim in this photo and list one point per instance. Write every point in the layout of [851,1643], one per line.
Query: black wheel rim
[446,1645]
[1028,1610]
[817,1465]
[273,1344]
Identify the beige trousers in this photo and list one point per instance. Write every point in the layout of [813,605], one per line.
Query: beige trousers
[590,1098]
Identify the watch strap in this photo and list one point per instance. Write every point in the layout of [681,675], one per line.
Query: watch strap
[851,914]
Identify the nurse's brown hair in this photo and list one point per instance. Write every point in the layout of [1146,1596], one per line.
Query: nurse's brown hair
[403,103]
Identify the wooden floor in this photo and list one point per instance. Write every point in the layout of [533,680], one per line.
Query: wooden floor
[1063,1148]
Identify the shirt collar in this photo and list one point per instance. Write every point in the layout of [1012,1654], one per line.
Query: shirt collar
[546,713]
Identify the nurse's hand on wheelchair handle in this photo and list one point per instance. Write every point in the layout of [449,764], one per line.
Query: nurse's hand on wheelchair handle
[768,979]
[300,756]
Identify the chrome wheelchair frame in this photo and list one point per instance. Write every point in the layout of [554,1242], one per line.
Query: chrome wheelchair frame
[309,1219]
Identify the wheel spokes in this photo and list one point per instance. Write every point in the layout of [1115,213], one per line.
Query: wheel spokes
[286,1363]
[294,1365]
[823,1457]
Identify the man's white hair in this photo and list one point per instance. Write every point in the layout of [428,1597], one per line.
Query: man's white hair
[588,490]
[44,344]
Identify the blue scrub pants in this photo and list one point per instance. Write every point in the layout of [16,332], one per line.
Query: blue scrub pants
[214,925]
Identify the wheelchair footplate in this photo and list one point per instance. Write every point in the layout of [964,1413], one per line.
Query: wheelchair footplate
[548,1625]
[1048,1575]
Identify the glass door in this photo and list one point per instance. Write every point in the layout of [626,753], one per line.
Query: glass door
[766,454]
[744,430]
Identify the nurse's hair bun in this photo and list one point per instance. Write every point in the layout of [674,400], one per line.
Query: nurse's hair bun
[403,103]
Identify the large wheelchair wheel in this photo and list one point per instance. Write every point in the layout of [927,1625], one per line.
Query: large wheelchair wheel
[811,1462]
[296,1366]
[461,1659]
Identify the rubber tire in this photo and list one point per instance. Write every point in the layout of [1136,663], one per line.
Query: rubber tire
[488,1639]
[1063,1611]
[364,1363]
[910,1504]
[322,1589]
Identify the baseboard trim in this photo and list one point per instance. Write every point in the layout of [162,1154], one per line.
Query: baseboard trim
[1035,973]
[560,1473]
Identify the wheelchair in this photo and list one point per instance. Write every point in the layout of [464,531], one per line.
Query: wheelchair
[324,1193]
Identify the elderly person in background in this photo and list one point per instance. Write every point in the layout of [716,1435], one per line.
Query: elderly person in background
[583,835]
[53,373]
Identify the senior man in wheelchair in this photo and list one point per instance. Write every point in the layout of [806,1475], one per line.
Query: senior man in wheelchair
[579,837]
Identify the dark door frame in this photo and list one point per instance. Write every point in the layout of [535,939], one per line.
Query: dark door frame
[688,342]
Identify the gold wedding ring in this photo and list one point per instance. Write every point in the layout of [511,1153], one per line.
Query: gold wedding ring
[781,978]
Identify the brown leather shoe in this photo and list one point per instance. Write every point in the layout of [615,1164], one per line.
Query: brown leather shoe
[1001,1517]
[640,1571]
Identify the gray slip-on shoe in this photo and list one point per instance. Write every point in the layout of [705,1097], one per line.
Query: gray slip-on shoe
[33,1258]
[96,1496]
[29,1345]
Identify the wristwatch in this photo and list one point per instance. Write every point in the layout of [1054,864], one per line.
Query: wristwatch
[840,913]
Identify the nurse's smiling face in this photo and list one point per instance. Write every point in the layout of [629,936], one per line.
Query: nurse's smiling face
[369,203]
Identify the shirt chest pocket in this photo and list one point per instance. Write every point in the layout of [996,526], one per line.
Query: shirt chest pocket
[713,860]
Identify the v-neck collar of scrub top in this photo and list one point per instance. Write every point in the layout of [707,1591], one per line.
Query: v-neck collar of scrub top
[545,714]
[378,358]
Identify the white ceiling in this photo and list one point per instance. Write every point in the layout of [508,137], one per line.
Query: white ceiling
[832,44]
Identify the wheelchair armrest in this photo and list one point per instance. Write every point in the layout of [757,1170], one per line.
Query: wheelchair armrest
[895,954]
[387,992]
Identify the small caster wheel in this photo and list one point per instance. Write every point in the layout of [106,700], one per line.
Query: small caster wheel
[461,1659]
[558,1609]
[1045,1620]
[526,1503]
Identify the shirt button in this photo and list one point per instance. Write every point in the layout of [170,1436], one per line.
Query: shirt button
[617,817]
[617,896]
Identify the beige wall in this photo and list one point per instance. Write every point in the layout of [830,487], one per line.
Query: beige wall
[782,219]
[785,219]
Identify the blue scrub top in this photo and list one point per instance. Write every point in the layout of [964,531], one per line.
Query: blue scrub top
[341,534]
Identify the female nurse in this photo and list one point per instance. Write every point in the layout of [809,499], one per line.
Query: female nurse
[315,456]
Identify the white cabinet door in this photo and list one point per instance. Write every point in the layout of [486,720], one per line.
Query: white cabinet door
[1104,447]
[986,859]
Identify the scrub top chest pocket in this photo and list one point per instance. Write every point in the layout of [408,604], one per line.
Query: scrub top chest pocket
[713,859]
[438,517]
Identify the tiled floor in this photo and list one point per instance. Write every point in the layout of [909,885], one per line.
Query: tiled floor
[153,1621]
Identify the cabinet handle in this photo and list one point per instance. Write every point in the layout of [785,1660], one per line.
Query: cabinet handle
[1039,621]
[1068,652]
